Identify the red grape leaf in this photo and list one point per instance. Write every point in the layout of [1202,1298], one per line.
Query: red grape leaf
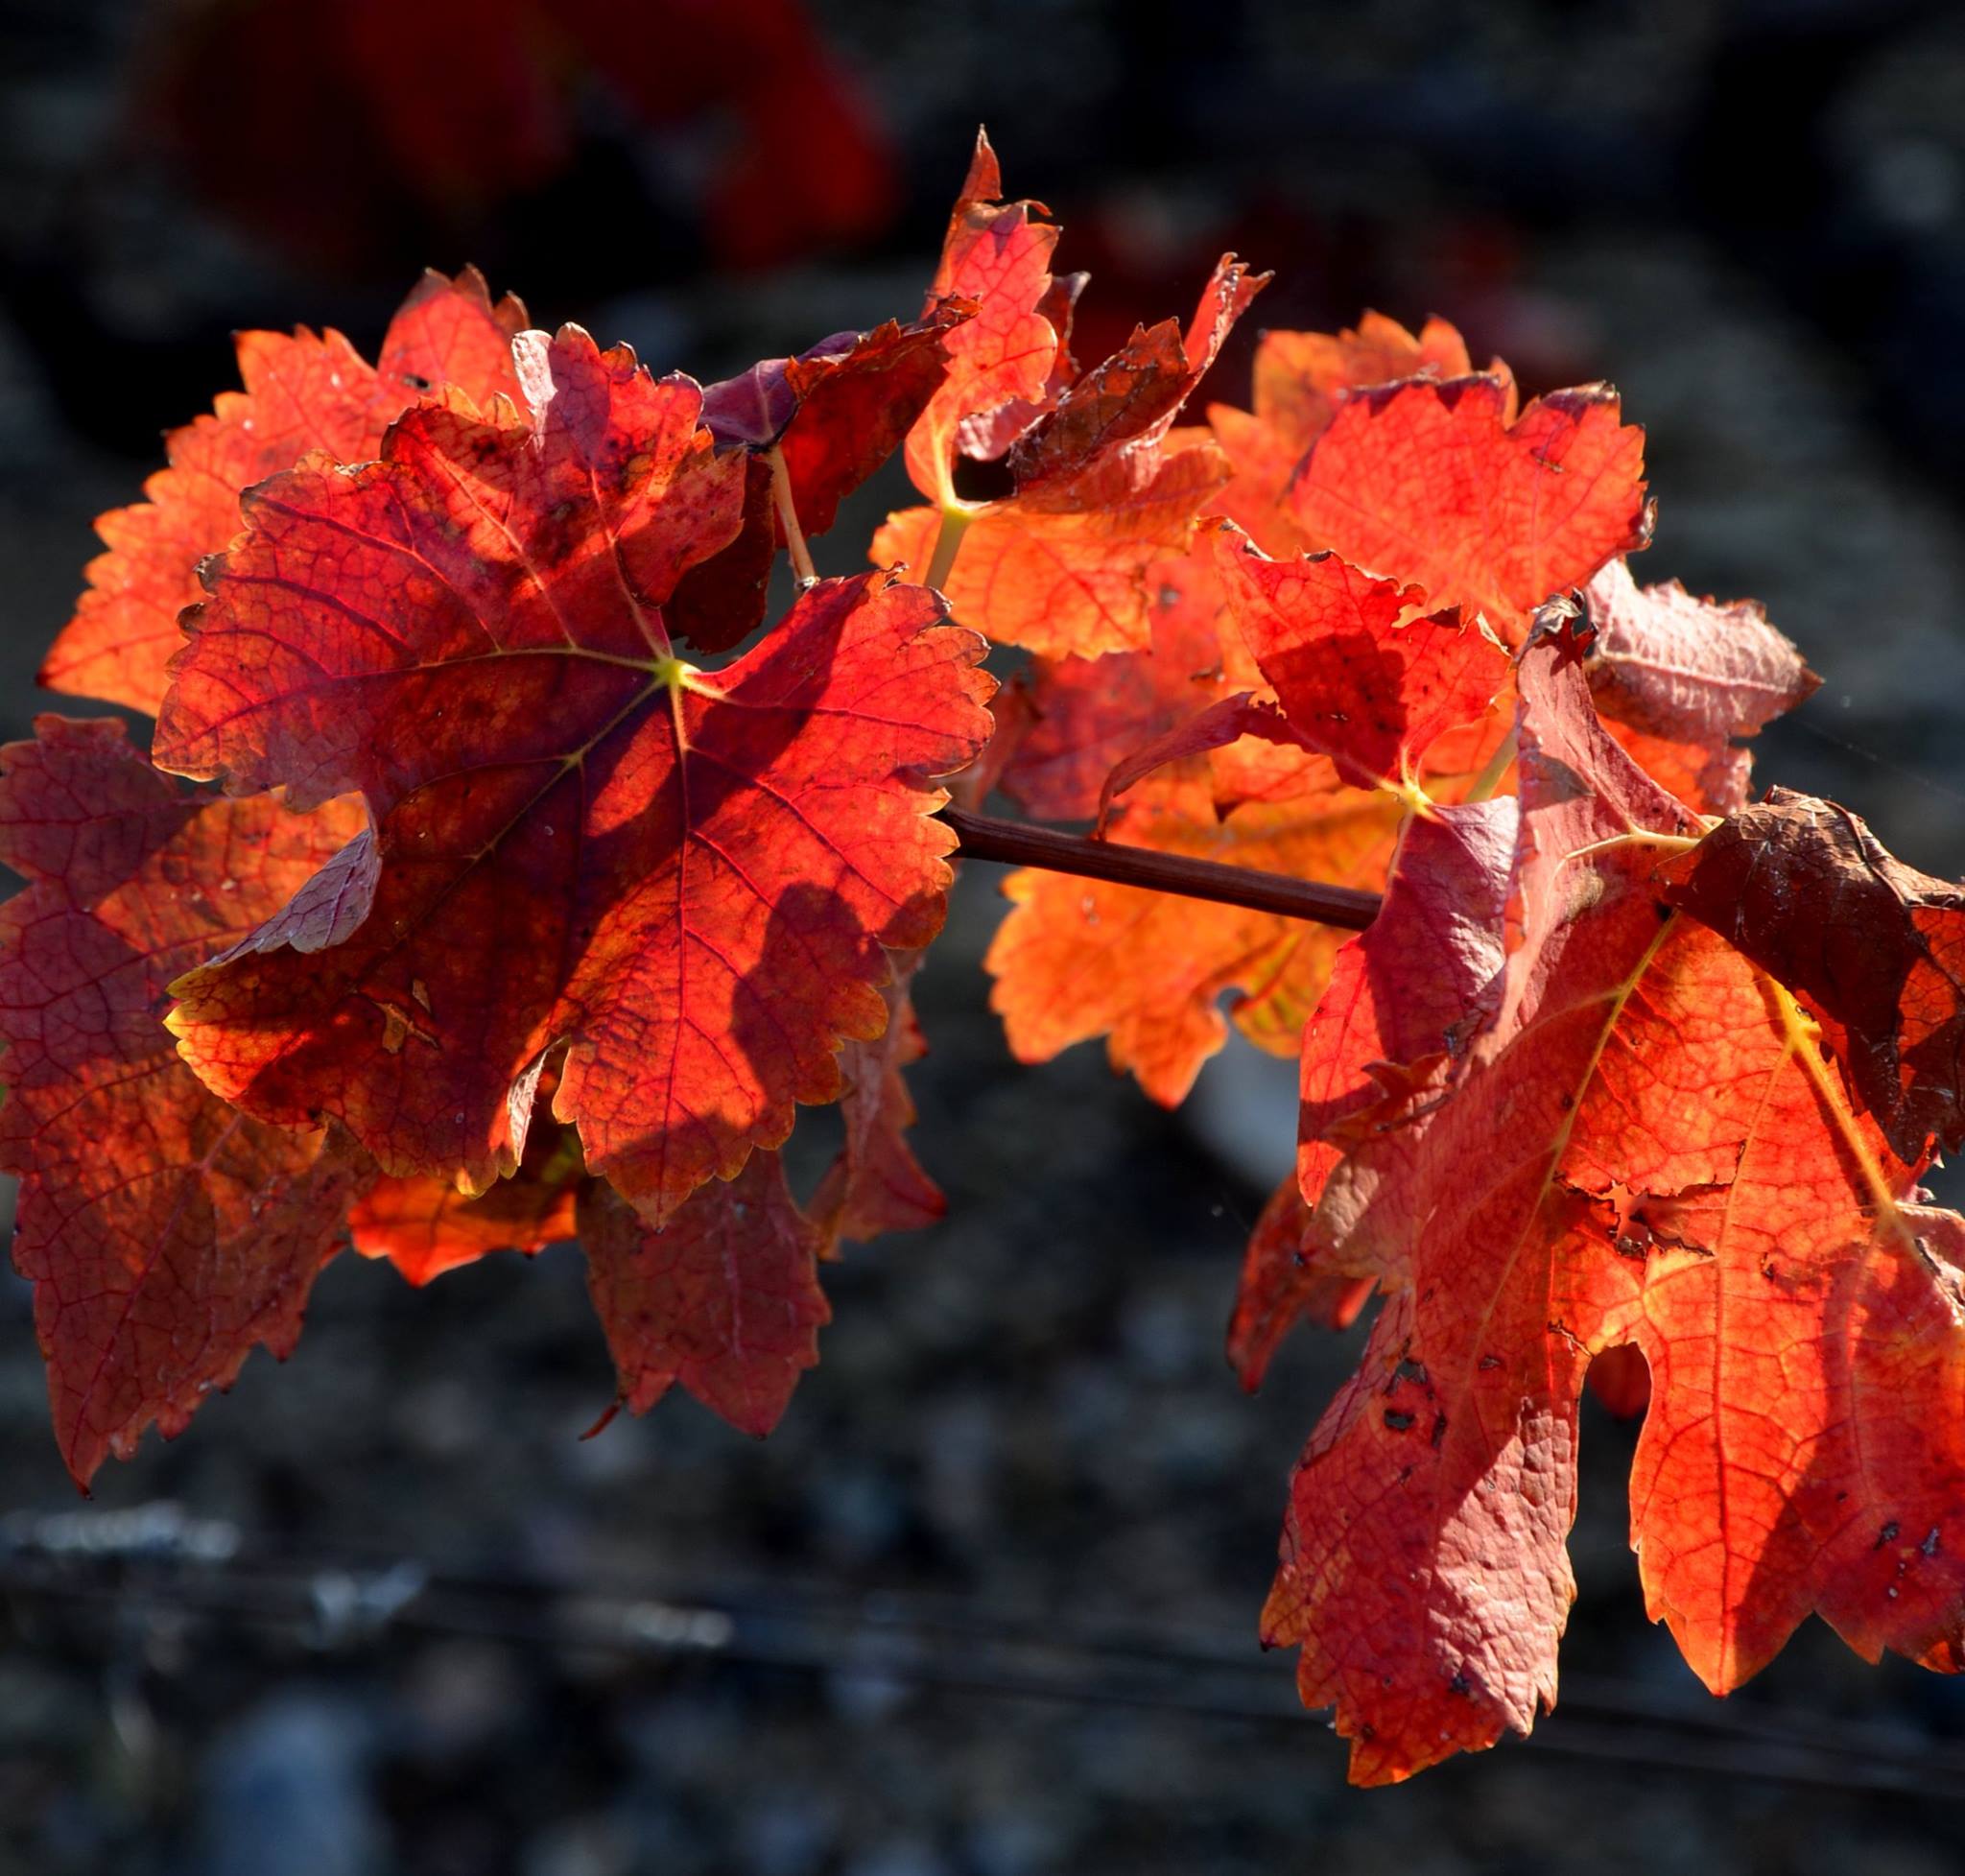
[1000,362]
[1129,403]
[1078,957]
[684,880]
[302,392]
[165,1235]
[835,413]
[1875,948]
[1064,571]
[1086,715]
[876,1184]
[1285,1282]
[724,1299]
[1403,996]
[839,409]
[1442,485]
[1644,1145]
[1680,678]
[1412,990]
[1362,678]
[1300,379]
[1104,490]
[424,1225]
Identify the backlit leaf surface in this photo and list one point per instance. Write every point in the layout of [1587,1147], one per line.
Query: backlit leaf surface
[165,1234]
[675,887]
[303,391]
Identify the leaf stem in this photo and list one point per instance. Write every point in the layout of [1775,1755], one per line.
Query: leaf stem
[1490,778]
[1018,843]
[788,518]
[947,541]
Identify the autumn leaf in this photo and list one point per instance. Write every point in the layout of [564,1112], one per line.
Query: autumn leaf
[678,886]
[724,1299]
[1360,673]
[839,409]
[1443,486]
[302,392]
[1285,1282]
[1064,571]
[424,1225]
[165,1235]
[1104,488]
[1078,959]
[1680,679]
[1300,380]
[833,414]
[1087,715]
[1875,948]
[1404,997]
[1643,1146]
[876,1184]
[997,257]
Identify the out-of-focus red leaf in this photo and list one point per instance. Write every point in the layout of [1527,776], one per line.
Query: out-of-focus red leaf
[165,1235]
[302,392]
[682,881]
[1621,1378]
[724,1299]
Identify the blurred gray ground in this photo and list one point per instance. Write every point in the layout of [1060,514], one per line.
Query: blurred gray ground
[1025,1410]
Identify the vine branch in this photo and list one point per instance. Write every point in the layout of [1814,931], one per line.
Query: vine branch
[1018,843]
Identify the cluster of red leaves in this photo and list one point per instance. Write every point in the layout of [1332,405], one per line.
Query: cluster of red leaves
[510,925]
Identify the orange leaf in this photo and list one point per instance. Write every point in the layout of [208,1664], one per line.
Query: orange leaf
[1442,485]
[724,1299]
[1078,959]
[302,392]
[1300,379]
[425,1225]
[683,880]
[1001,362]
[165,1235]
[1064,571]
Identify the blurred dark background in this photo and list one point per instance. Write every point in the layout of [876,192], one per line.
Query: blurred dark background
[984,1605]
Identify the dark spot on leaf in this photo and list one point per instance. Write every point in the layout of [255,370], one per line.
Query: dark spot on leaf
[1397,1421]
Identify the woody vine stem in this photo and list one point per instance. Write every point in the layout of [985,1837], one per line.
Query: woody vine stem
[983,837]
